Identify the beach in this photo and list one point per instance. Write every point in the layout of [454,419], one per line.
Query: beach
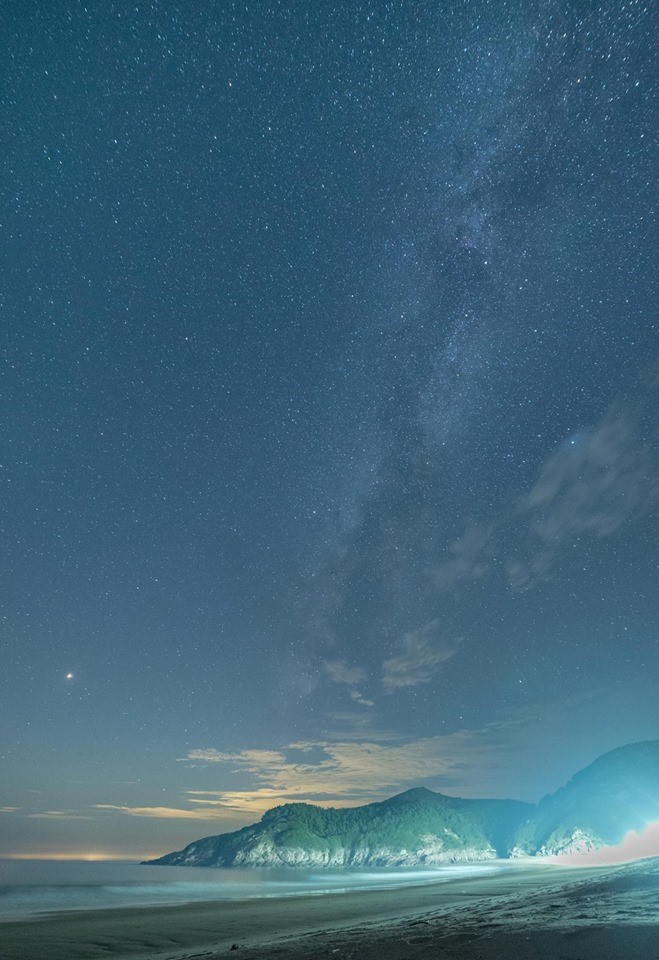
[582,913]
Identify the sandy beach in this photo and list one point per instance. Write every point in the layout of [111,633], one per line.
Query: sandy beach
[538,912]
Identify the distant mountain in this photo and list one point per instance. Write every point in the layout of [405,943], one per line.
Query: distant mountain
[617,793]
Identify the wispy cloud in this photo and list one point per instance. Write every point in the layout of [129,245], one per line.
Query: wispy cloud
[469,559]
[359,697]
[358,725]
[594,483]
[341,672]
[167,813]
[599,479]
[325,771]
[423,651]
[256,802]
[58,815]
[254,757]
[9,809]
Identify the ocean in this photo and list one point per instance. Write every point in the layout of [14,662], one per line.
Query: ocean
[29,887]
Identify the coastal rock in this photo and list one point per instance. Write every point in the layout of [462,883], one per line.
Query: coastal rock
[580,841]
[268,854]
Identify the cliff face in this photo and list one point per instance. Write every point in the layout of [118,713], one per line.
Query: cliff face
[617,793]
[267,853]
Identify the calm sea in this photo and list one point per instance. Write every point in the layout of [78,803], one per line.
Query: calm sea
[37,886]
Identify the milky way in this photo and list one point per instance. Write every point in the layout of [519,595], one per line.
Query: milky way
[330,378]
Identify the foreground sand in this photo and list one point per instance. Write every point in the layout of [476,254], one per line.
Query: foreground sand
[540,913]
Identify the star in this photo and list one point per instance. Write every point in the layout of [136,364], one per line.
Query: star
[69,676]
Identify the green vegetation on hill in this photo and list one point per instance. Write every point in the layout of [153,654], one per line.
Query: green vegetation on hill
[402,823]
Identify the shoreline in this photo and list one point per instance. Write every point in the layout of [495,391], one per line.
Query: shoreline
[526,908]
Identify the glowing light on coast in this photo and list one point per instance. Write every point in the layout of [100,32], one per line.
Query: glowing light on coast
[88,856]
[636,845]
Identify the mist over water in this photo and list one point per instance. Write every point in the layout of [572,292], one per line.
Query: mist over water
[38,886]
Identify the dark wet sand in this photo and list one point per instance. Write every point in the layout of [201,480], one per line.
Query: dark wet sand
[536,913]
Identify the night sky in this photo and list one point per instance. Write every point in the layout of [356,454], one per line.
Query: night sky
[329,455]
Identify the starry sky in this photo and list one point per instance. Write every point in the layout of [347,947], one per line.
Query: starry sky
[329,455]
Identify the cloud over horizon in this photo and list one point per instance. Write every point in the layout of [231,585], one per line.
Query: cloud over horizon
[500,759]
